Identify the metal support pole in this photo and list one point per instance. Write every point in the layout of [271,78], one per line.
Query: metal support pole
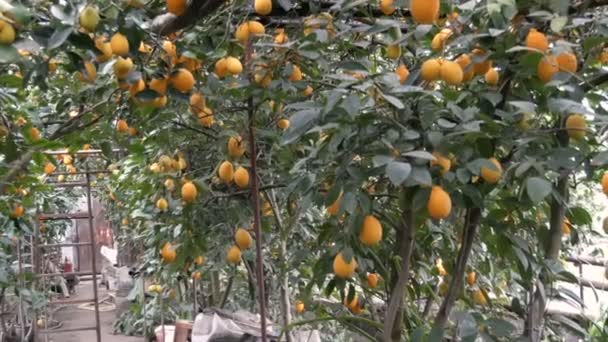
[93,257]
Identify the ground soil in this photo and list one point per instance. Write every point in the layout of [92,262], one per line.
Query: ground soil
[73,317]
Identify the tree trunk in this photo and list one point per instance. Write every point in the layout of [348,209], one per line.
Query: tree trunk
[472,218]
[405,246]
[536,309]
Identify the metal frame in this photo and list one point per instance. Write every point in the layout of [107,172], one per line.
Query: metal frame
[38,249]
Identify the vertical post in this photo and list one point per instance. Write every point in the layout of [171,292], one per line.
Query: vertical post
[36,269]
[93,255]
[255,202]
[21,285]
[194,302]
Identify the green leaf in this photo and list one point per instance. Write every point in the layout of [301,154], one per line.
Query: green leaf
[420,155]
[106,149]
[500,327]
[558,23]
[381,160]
[59,36]
[600,159]
[393,101]
[300,122]
[398,172]
[538,188]
[8,54]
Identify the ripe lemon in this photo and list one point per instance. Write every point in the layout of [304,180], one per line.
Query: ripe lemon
[233,66]
[199,260]
[567,62]
[241,177]
[576,126]
[451,73]
[136,87]
[234,255]
[159,85]
[255,27]
[221,68]
[443,162]
[332,210]
[465,63]
[492,77]
[547,67]
[17,212]
[344,269]
[90,73]
[440,269]
[169,184]
[34,134]
[7,33]
[197,103]
[104,49]
[182,80]
[482,67]
[537,40]
[196,275]
[263,7]
[605,182]
[89,18]
[439,40]
[177,7]
[439,204]
[168,253]
[479,298]
[402,73]
[236,147]
[371,231]
[49,168]
[283,124]
[205,117]
[372,280]
[226,172]
[162,204]
[243,239]
[387,7]
[492,176]
[122,67]
[189,192]
[308,91]
[566,230]
[299,306]
[471,277]
[424,11]
[430,70]
[393,51]
[171,50]
[281,37]
[122,126]
[119,44]
[296,74]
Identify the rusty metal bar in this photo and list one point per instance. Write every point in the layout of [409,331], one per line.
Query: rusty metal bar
[586,260]
[79,152]
[67,184]
[68,301]
[94,172]
[60,274]
[93,258]
[67,244]
[63,216]
[35,257]
[49,331]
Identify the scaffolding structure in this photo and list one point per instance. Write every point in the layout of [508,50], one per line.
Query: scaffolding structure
[39,249]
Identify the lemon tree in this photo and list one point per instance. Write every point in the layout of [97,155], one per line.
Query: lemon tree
[400,168]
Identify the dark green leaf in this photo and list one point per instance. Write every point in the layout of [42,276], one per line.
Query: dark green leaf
[538,188]
[398,172]
[59,36]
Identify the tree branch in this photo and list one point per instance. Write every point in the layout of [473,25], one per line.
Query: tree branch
[472,218]
[168,23]
[405,238]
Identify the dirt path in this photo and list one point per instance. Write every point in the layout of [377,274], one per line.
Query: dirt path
[73,317]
